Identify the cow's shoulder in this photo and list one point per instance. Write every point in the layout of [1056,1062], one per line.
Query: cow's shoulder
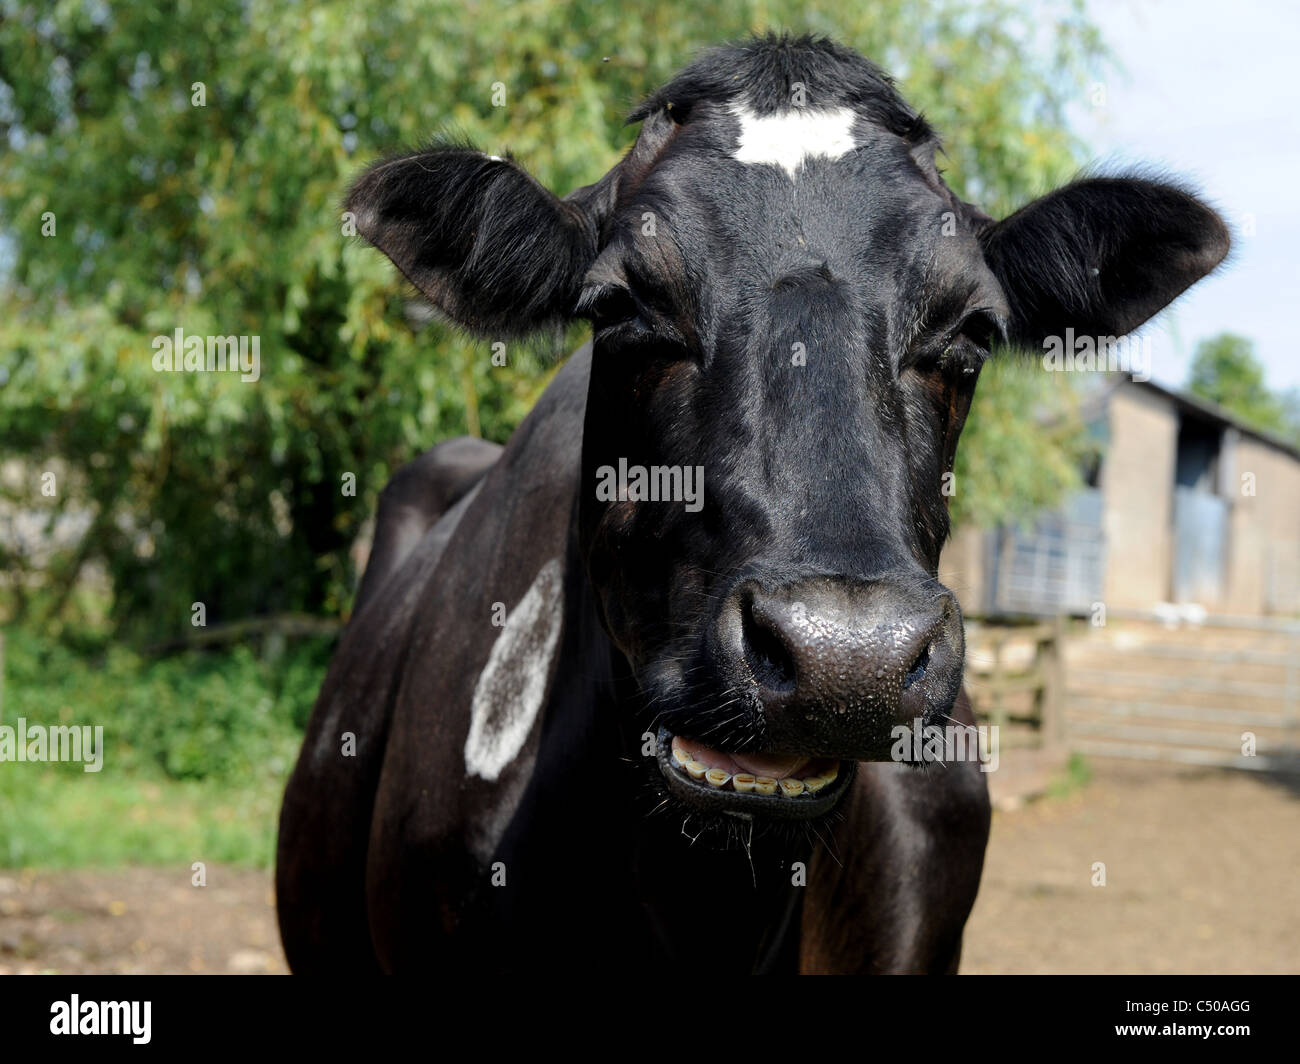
[481,655]
[465,532]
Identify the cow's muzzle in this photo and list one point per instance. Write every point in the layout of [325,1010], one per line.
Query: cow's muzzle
[825,672]
[835,668]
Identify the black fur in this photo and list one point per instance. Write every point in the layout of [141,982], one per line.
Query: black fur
[489,246]
[1102,255]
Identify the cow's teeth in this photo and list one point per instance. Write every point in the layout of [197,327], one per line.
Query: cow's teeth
[746,783]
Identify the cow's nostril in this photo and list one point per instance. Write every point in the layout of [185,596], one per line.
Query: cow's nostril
[918,667]
[766,654]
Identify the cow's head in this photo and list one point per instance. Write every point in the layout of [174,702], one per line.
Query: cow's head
[786,296]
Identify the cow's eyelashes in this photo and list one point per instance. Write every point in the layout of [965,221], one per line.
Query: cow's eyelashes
[615,312]
[610,306]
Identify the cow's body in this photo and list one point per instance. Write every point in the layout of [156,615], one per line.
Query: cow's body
[571,724]
[386,857]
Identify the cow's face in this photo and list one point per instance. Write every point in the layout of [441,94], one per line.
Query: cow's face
[790,312]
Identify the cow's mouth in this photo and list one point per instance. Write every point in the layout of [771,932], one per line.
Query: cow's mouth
[782,786]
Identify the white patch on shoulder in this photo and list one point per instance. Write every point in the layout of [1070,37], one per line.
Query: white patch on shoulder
[512,687]
[788,138]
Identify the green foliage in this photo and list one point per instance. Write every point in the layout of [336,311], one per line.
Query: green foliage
[197,748]
[1226,371]
[196,715]
[1023,447]
[224,219]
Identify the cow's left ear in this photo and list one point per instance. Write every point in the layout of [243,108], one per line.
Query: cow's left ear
[1101,256]
[492,248]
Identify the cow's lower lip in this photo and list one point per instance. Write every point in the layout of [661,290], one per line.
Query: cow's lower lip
[798,788]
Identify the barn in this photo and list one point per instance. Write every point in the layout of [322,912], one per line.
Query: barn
[1187,506]
[1155,613]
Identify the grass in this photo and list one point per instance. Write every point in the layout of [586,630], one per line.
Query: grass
[50,821]
[197,748]
[1073,778]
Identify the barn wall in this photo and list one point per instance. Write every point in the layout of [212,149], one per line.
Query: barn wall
[1263,566]
[1137,487]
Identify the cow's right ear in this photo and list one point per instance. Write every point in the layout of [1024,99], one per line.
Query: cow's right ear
[492,248]
[1101,256]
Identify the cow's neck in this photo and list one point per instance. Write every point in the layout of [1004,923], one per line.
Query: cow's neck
[656,870]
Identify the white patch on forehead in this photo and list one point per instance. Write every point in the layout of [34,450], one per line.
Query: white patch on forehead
[788,138]
[512,687]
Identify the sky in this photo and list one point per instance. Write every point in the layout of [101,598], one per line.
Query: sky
[1210,91]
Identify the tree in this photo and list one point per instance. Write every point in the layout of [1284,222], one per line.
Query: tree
[186,172]
[1226,371]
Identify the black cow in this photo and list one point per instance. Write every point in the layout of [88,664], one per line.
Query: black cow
[574,722]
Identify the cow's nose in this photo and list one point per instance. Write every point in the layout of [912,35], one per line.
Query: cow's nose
[836,665]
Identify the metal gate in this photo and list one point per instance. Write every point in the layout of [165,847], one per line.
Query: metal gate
[1055,566]
[1200,540]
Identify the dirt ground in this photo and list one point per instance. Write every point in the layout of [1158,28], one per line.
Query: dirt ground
[1200,866]
[1201,877]
[138,920]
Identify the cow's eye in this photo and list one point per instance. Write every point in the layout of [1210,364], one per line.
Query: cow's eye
[957,355]
[957,360]
[982,329]
[610,306]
